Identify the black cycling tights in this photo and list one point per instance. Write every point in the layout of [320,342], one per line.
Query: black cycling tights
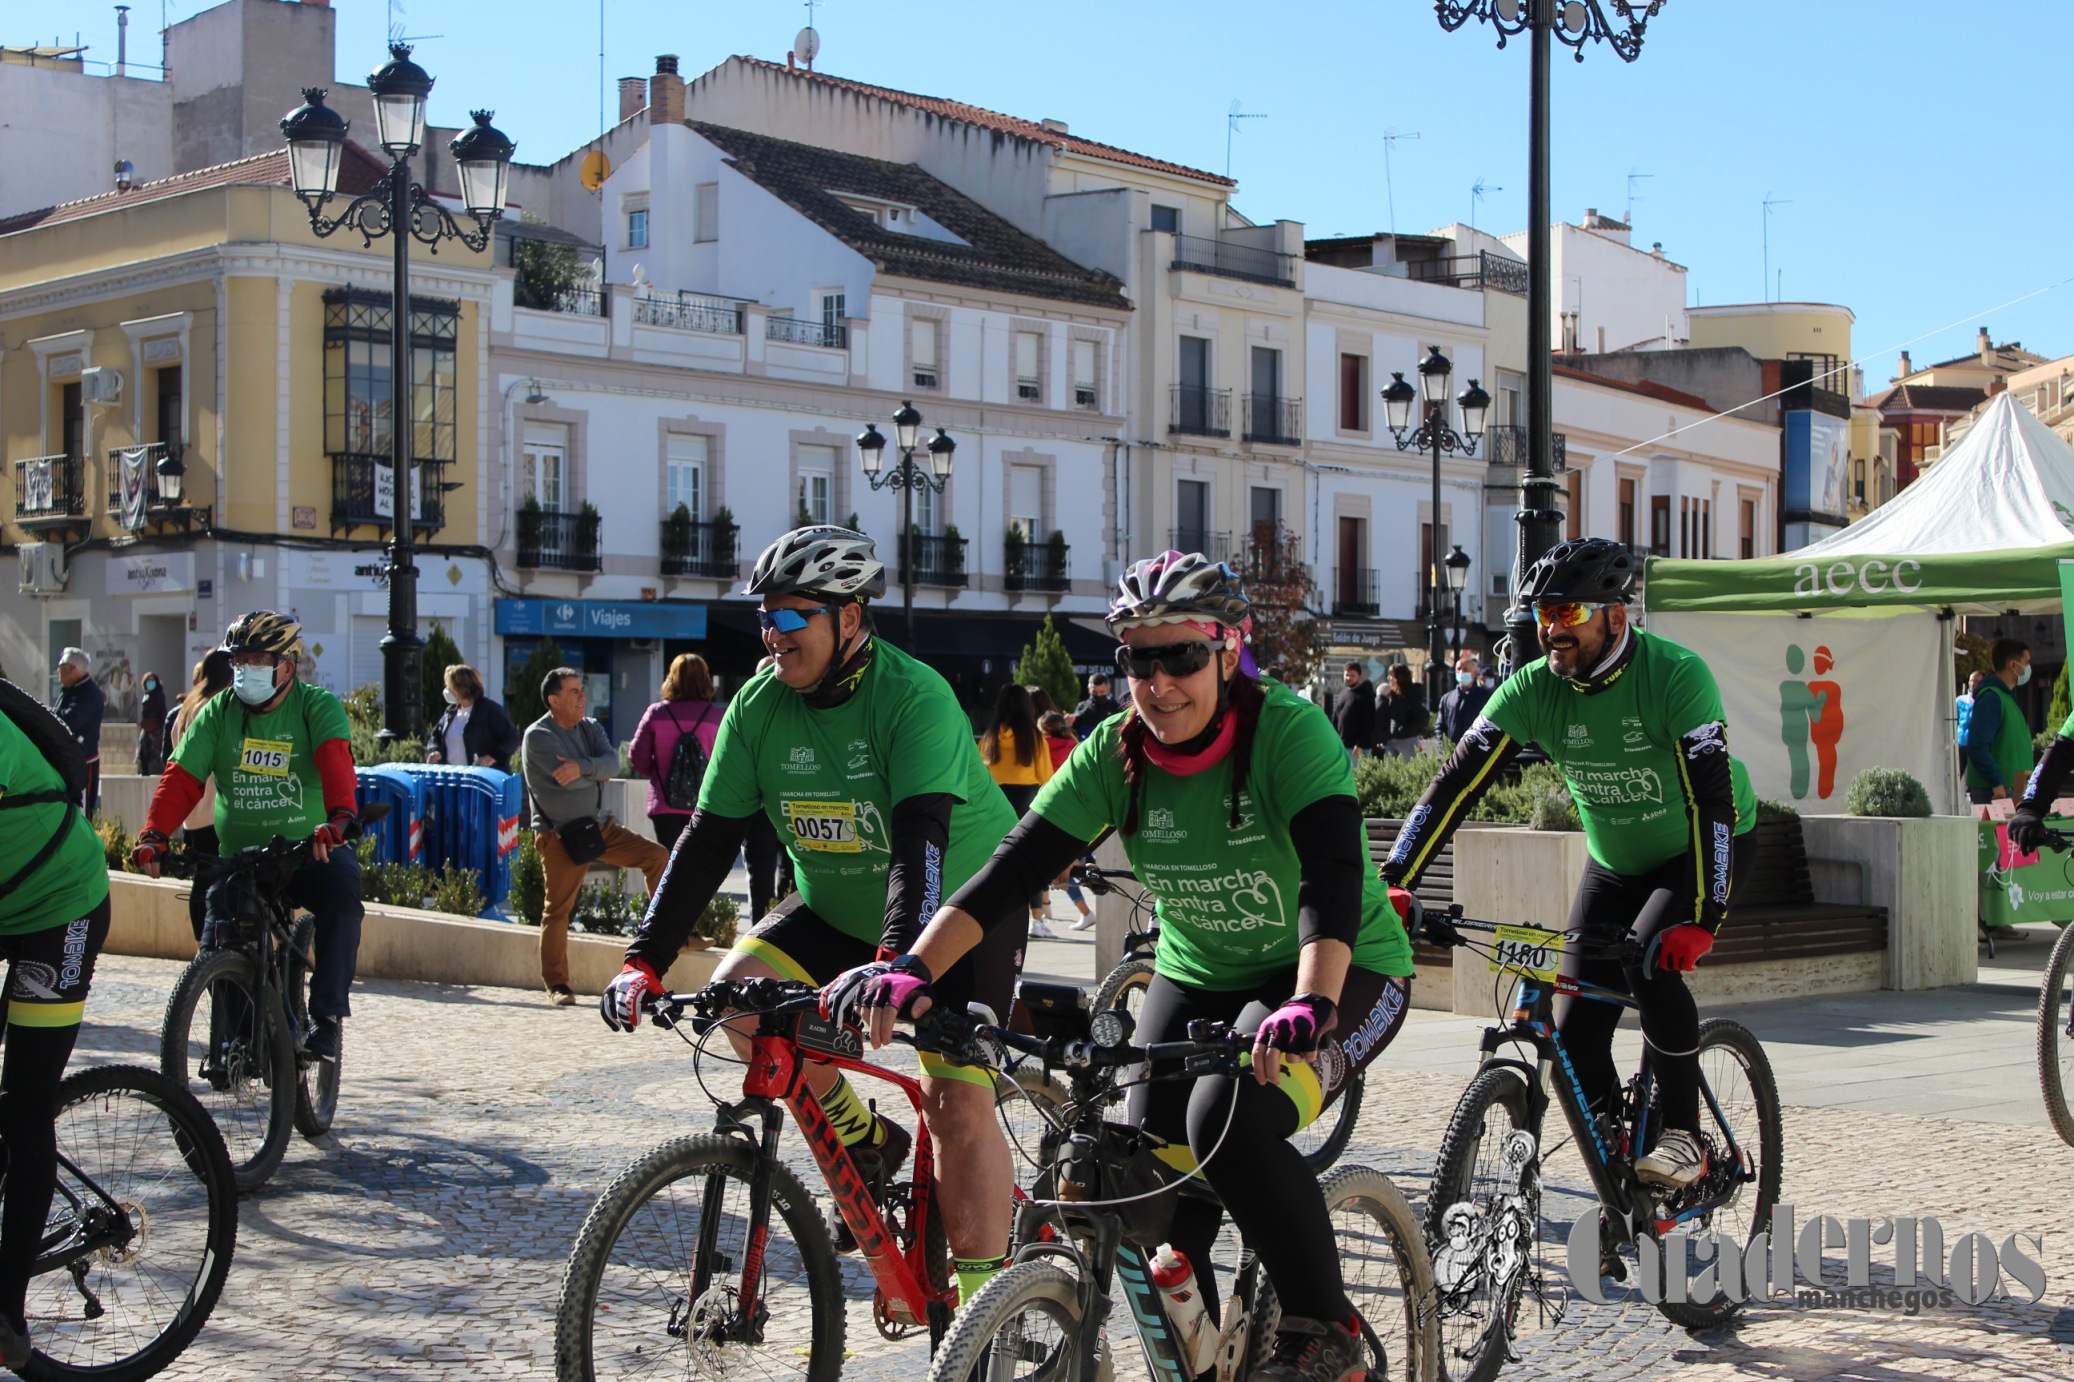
[1256,1171]
[1608,906]
[50,967]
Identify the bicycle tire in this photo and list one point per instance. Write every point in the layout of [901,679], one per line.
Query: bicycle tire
[634,1306]
[2055,1046]
[1124,986]
[253,1100]
[1760,1111]
[316,1078]
[1391,1290]
[1032,1310]
[1323,1142]
[150,1146]
[1474,1322]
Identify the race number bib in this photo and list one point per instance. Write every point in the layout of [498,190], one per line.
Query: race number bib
[826,826]
[1528,950]
[268,756]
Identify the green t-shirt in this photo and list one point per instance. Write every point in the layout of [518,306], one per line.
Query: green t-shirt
[829,779]
[74,879]
[265,765]
[1619,749]
[1227,895]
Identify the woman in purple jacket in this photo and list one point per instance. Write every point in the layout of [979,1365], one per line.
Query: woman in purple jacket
[686,707]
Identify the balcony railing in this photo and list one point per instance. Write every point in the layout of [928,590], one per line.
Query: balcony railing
[1473,271]
[799,331]
[550,540]
[580,300]
[1354,592]
[1200,412]
[1215,546]
[934,560]
[363,491]
[1508,445]
[155,505]
[50,489]
[687,313]
[1272,419]
[700,549]
[1037,566]
[1228,259]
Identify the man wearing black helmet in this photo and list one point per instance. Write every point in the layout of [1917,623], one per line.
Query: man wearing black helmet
[863,760]
[1635,723]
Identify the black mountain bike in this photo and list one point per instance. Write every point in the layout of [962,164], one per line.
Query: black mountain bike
[1093,1216]
[2056,1018]
[237,1027]
[1483,1212]
[140,1232]
[1124,987]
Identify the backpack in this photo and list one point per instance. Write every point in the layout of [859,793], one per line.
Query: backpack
[54,741]
[687,765]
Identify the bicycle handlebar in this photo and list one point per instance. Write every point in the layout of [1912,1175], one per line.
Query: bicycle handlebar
[1100,881]
[1447,930]
[182,863]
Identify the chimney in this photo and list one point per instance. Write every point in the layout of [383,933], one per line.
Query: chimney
[1054,126]
[320,4]
[633,96]
[666,92]
[1904,369]
[1984,345]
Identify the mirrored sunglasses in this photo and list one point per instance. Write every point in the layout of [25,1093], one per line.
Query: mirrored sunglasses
[1567,614]
[1175,659]
[787,620]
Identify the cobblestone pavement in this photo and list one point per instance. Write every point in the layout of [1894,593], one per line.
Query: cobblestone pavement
[426,1237]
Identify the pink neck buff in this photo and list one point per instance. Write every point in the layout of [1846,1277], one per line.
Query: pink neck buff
[1209,748]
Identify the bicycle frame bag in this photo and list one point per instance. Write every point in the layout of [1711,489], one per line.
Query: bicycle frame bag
[55,742]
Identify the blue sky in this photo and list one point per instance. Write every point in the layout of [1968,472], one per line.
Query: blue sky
[1916,149]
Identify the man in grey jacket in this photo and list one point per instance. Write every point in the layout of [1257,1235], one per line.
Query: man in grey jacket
[567,759]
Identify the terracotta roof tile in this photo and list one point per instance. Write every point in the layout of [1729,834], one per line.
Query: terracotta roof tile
[995,120]
[1936,398]
[358,172]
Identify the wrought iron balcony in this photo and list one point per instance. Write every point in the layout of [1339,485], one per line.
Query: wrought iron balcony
[700,549]
[1508,445]
[1200,412]
[551,540]
[50,491]
[1215,546]
[1037,566]
[687,312]
[1354,592]
[157,509]
[1272,419]
[932,559]
[800,331]
[1473,271]
[363,492]
[578,300]
[1229,259]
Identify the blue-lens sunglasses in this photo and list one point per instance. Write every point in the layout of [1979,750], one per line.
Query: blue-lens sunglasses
[788,620]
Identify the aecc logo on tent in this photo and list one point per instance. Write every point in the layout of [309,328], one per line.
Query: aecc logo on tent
[1872,577]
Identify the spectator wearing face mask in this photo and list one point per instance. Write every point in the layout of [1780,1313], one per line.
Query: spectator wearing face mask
[1998,738]
[1460,707]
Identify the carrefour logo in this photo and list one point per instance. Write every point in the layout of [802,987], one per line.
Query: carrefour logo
[1871,577]
[565,612]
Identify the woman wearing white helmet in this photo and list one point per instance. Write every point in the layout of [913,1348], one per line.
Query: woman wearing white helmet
[1235,802]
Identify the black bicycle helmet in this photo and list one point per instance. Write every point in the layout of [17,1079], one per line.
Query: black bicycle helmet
[1593,570]
[1177,586]
[822,560]
[263,631]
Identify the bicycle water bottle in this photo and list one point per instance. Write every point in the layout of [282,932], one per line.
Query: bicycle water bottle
[1195,1339]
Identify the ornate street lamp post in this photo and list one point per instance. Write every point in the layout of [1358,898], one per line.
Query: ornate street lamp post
[906,477]
[1457,581]
[1435,435]
[1575,23]
[403,211]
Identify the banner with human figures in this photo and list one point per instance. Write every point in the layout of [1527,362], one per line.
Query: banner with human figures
[132,484]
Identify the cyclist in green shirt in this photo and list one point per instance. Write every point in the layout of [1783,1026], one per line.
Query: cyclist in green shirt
[1635,723]
[2027,825]
[864,762]
[53,920]
[1234,799]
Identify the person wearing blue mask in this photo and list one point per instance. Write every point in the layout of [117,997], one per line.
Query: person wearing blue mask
[1998,737]
[1460,707]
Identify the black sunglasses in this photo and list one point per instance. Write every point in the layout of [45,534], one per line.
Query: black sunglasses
[1176,659]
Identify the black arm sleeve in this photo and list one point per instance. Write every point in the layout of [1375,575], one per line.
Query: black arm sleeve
[1032,855]
[914,887]
[2048,777]
[1711,807]
[1448,800]
[1327,837]
[698,866]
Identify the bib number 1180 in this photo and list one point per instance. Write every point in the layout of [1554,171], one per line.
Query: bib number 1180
[1528,950]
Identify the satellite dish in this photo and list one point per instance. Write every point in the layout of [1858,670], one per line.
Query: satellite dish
[594,170]
[807,45]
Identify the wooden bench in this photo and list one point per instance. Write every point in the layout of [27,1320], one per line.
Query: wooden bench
[1436,886]
[1774,915]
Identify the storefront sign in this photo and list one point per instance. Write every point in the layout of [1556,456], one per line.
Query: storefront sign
[154,573]
[600,619]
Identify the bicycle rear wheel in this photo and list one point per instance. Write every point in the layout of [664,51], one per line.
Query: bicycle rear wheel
[131,1138]
[2055,1040]
[316,1077]
[653,1285]
[1482,1217]
[1389,1279]
[1022,1327]
[1324,1141]
[236,1057]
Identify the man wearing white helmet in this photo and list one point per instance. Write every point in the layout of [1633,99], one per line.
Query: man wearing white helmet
[863,760]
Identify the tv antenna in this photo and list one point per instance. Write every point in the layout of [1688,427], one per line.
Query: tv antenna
[1390,138]
[1633,177]
[1476,194]
[396,33]
[806,44]
[1231,127]
[1770,202]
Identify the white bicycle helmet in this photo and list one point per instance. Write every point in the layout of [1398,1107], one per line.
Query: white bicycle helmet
[823,560]
[1177,587]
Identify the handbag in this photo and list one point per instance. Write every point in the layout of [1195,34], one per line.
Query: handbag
[583,839]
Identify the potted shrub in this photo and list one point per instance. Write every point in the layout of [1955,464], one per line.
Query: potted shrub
[953,549]
[677,533]
[1055,555]
[1015,551]
[724,533]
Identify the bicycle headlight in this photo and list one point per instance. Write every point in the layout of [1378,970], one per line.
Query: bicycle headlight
[1111,1027]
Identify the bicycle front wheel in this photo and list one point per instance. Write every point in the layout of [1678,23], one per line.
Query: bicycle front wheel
[1388,1277]
[654,1286]
[145,1188]
[234,1054]
[1022,1327]
[2056,1039]
[1323,1141]
[316,1077]
[1482,1216]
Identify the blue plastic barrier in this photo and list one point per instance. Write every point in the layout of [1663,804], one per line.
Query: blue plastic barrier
[400,834]
[471,820]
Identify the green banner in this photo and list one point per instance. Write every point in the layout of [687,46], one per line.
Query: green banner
[2016,888]
[1995,580]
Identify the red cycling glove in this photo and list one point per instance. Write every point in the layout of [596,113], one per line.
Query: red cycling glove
[1680,947]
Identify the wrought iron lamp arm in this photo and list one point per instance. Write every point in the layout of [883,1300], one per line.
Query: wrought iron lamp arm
[428,222]
[1622,33]
[907,475]
[1436,429]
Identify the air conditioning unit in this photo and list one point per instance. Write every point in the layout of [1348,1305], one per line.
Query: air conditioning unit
[100,384]
[43,568]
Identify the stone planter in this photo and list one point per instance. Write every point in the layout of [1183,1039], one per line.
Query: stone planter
[1518,877]
[1923,871]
